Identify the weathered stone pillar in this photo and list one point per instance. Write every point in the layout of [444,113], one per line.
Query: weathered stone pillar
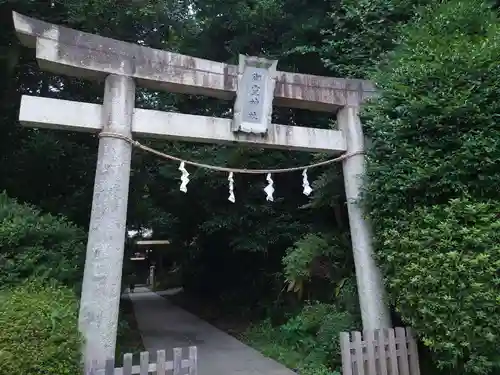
[374,311]
[103,266]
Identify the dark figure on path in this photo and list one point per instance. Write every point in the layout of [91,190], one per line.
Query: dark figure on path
[132,282]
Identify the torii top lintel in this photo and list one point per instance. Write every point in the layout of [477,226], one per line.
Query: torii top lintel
[74,53]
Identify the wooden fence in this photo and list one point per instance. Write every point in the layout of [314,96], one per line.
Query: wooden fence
[177,366]
[380,352]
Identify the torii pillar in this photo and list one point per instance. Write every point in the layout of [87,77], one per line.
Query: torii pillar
[123,65]
[374,312]
[99,305]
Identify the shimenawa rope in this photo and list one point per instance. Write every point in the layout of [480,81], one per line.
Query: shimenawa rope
[225,169]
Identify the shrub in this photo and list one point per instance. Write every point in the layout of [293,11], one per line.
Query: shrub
[300,344]
[433,178]
[39,333]
[316,255]
[36,244]
[316,331]
[447,279]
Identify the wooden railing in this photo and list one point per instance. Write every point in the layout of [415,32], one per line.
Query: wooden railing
[380,352]
[180,365]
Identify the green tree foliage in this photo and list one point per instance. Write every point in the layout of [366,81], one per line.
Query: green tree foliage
[315,331]
[39,332]
[36,244]
[316,256]
[433,181]
[361,32]
[309,340]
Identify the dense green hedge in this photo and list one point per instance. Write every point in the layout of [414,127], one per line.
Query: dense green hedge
[36,244]
[433,181]
[39,333]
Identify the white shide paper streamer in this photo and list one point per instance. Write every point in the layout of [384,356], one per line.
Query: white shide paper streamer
[231,188]
[184,178]
[269,189]
[305,183]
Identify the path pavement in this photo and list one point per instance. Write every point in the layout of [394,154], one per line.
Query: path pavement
[165,326]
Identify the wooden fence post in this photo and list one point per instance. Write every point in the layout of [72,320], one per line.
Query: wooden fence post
[178,366]
[379,352]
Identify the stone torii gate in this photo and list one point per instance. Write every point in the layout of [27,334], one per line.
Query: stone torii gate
[123,66]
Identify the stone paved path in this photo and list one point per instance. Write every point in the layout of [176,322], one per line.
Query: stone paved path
[165,326]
